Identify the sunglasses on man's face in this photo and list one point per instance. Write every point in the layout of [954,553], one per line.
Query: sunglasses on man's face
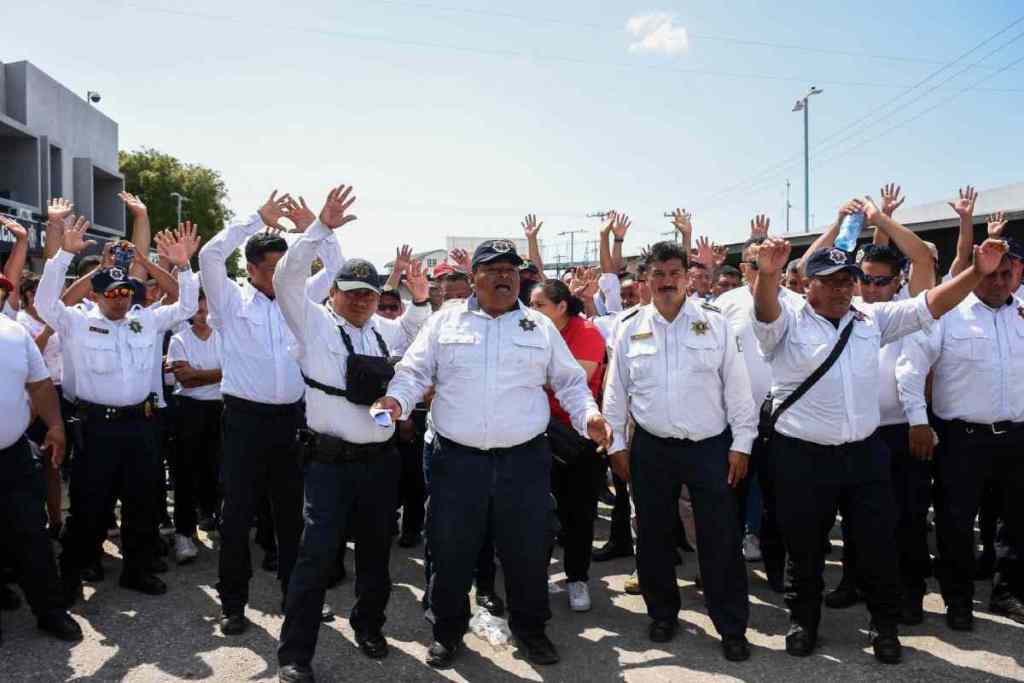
[388,307]
[118,292]
[877,280]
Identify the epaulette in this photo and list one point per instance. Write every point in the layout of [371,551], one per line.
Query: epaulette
[710,307]
[630,315]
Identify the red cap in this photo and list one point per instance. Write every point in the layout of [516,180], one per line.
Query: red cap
[6,284]
[441,269]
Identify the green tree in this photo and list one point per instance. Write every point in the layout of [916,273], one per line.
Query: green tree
[155,176]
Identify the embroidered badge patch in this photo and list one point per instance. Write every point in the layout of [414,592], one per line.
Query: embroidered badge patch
[527,325]
[502,246]
[699,327]
[837,256]
[361,270]
[116,274]
[135,326]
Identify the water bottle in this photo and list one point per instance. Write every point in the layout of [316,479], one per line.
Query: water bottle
[850,231]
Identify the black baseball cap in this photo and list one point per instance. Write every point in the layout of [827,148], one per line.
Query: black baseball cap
[496,250]
[356,274]
[829,260]
[529,266]
[106,279]
[1015,249]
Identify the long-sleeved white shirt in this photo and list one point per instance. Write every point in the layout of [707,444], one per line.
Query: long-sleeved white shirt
[842,407]
[490,375]
[321,352]
[976,354]
[114,360]
[258,348]
[683,379]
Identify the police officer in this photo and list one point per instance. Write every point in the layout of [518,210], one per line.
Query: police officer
[113,347]
[975,354]
[825,445]
[262,389]
[490,358]
[26,387]
[352,466]
[676,369]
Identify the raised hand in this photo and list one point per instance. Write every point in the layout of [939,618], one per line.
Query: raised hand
[338,202]
[74,236]
[133,203]
[14,227]
[705,252]
[868,207]
[611,217]
[721,255]
[273,210]
[682,220]
[107,255]
[759,226]
[772,255]
[891,199]
[177,247]
[531,227]
[964,206]
[989,255]
[578,281]
[403,257]
[462,260]
[416,281]
[299,214]
[188,236]
[59,209]
[621,225]
[996,224]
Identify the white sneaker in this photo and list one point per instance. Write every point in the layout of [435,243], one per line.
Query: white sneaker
[751,548]
[579,596]
[184,549]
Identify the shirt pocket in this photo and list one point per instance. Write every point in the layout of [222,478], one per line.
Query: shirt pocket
[460,353]
[865,342]
[141,350]
[969,343]
[254,340]
[703,353]
[100,353]
[642,358]
[526,361]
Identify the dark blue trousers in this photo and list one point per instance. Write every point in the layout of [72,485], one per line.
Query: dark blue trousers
[359,496]
[658,468]
[506,491]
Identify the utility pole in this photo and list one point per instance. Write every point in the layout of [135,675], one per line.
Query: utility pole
[599,214]
[177,196]
[572,241]
[788,205]
[674,234]
[802,105]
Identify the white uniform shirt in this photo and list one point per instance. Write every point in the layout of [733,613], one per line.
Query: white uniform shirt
[321,351]
[200,354]
[258,351]
[51,353]
[977,356]
[490,375]
[683,379]
[113,359]
[737,305]
[20,364]
[842,407]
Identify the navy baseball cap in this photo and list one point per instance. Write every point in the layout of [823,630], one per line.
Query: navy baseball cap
[1015,249]
[829,260]
[356,274]
[106,279]
[496,250]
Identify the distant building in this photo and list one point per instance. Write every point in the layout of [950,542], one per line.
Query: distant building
[53,143]
[469,244]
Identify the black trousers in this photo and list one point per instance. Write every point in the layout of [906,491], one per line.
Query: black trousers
[412,493]
[773,549]
[120,459]
[27,545]
[261,457]
[575,489]
[359,496]
[971,457]
[197,461]
[620,532]
[911,487]
[659,467]
[505,490]
[811,479]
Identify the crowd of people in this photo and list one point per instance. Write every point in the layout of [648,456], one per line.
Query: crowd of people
[483,410]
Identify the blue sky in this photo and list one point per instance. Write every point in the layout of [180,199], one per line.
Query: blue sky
[453,117]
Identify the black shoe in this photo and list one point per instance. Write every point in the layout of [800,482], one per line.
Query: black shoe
[799,641]
[606,496]
[94,573]
[61,626]
[441,656]
[143,583]
[9,600]
[295,673]
[233,624]
[70,587]
[960,618]
[662,630]
[374,645]
[736,649]
[337,577]
[326,613]
[845,595]
[208,524]
[1007,606]
[157,566]
[911,612]
[538,648]
[985,565]
[490,602]
[270,561]
[611,550]
[409,540]
[887,648]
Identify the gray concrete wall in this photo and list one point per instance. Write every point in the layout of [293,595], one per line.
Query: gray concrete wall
[19,174]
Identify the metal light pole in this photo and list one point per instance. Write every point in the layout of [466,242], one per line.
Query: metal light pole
[177,196]
[802,105]
[572,242]
[788,205]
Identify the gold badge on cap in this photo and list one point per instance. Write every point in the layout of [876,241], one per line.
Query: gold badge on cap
[361,270]
[502,246]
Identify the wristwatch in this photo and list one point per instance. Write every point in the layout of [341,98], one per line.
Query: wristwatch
[421,303]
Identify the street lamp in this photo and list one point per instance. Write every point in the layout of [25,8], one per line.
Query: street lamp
[801,105]
[177,196]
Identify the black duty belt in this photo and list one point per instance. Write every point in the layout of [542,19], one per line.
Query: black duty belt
[331,449]
[94,411]
[997,428]
[271,409]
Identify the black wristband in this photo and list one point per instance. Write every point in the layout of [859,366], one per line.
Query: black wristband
[620,239]
[421,303]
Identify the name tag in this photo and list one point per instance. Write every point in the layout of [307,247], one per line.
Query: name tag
[100,330]
[641,335]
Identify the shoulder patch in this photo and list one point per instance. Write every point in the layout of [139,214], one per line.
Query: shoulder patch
[710,307]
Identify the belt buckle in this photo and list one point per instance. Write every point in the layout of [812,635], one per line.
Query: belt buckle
[995,429]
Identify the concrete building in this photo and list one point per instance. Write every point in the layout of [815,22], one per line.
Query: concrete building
[53,143]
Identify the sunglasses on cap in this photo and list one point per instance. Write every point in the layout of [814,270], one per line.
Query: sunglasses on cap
[118,292]
[877,280]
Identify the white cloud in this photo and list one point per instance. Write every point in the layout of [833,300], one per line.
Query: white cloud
[655,32]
